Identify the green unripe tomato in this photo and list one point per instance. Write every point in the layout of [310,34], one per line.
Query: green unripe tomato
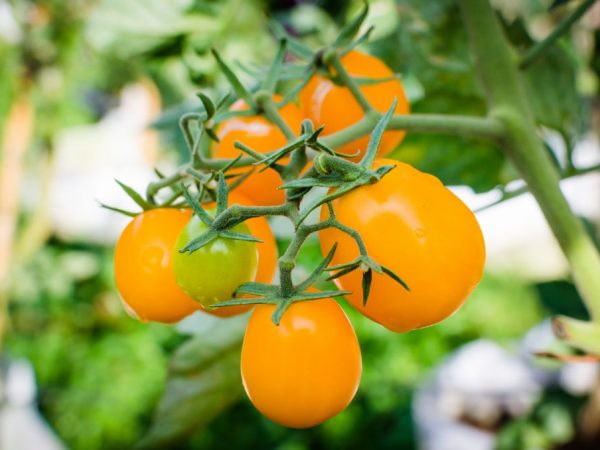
[212,273]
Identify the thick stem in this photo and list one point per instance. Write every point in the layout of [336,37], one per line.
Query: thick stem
[508,102]
[481,127]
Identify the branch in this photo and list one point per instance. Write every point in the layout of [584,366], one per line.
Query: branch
[542,46]
[482,127]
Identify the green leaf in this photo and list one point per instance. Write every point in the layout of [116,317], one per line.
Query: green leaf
[209,106]
[254,288]
[234,81]
[319,269]
[119,210]
[309,296]
[376,135]
[137,198]
[196,206]
[295,46]
[367,278]
[396,278]
[200,241]
[203,381]
[238,236]
[349,31]
[270,82]
[222,193]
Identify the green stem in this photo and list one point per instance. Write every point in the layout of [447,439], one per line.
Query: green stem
[237,214]
[156,186]
[508,102]
[522,190]
[542,46]
[482,127]
[272,113]
[334,59]
[581,334]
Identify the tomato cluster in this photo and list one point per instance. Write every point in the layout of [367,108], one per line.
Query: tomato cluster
[307,368]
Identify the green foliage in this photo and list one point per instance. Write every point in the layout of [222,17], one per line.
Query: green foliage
[67,320]
[204,380]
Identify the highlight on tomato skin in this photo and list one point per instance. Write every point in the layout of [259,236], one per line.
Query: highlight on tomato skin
[334,106]
[262,136]
[412,224]
[307,369]
[144,267]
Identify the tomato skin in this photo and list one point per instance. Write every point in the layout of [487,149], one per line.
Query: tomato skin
[307,369]
[334,106]
[260,135]
[415,226]
[144,266]
[267,254]
[213,272]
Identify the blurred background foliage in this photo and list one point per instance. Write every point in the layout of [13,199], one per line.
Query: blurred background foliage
[101,374]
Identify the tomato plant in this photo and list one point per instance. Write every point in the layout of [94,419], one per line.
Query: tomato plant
[402,248]
[414,225]
[144,266]
[311,359]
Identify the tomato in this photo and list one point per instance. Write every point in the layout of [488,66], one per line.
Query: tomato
[307,369]
[416,227]
[260,135]
[334,106]
[267,254]
[213,272]
[144,267]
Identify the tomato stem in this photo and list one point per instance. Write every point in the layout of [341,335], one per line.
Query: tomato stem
[333,58]
[508,102]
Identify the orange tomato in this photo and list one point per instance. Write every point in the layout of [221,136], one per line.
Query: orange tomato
[267,254]
[334,106]
[260,135]
[307,369]
[144,267]
[416,227]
